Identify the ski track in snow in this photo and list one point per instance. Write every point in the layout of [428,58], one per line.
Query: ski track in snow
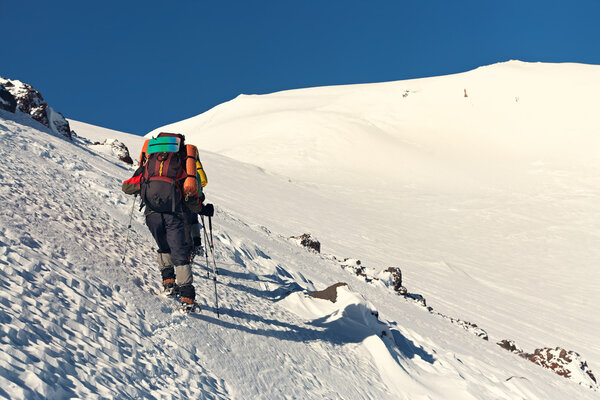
[76,323]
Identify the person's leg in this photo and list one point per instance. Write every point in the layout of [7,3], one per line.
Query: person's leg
[167,271]
[156,224]
[180,251]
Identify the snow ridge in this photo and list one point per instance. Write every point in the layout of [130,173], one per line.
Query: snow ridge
[69,329]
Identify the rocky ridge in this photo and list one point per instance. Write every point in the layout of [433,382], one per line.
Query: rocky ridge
[565,363]
[30,101]
[16,95]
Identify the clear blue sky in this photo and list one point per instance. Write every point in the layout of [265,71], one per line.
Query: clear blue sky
[137,65]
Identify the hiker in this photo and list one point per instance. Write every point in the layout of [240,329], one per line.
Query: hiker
[167,181]
[191,223]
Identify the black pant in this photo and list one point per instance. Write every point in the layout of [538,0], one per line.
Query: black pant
[189,218]
[169,232]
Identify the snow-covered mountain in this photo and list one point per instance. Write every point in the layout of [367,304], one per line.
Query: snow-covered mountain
[76,322]
[472,129]
[482,185]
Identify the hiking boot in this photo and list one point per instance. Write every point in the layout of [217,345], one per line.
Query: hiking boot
[169,287]
[187,305]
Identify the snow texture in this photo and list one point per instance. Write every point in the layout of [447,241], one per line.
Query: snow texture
[78,323]
[488,203]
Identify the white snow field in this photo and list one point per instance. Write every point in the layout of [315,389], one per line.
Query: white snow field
[489,202]
[514,256]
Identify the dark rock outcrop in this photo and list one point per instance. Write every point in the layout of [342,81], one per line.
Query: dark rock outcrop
[30,101]
[392,277]
[565,363]
[510,346]
[562,362]
[466,325]
[396,277]
[328,294]
[355,266]
[308,241]
[116,148]
[7,100]
[58,123]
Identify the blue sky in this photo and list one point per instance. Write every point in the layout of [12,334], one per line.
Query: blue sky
[137,65]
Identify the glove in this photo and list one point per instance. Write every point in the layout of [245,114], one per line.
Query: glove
[193,204]
[208,210]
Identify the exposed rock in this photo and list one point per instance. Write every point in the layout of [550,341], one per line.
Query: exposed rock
[510,346]
[58,123]
[307,241]
[328,294]
[565,363]
[468,326]
[30,101]
[392,277]
[356,267]
[417,298]
[7,100]
[396,278]
[116,148]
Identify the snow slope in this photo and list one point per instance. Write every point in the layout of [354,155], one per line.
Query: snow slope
[482,185]
[99,134]
[410,132]
[78,323]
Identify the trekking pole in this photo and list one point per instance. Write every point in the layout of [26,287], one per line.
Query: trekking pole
[212,246]
[128,229]
[206,249]
[212,252]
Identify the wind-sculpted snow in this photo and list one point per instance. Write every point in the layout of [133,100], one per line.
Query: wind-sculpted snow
[76,323]
[71,326]
[568,364]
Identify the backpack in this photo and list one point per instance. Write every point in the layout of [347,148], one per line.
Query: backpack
[164,173]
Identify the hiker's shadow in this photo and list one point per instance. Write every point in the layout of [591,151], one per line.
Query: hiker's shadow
[287,331]
[341,331]
[400,347]
[283,287]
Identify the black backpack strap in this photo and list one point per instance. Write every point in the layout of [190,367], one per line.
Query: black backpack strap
[173,196]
